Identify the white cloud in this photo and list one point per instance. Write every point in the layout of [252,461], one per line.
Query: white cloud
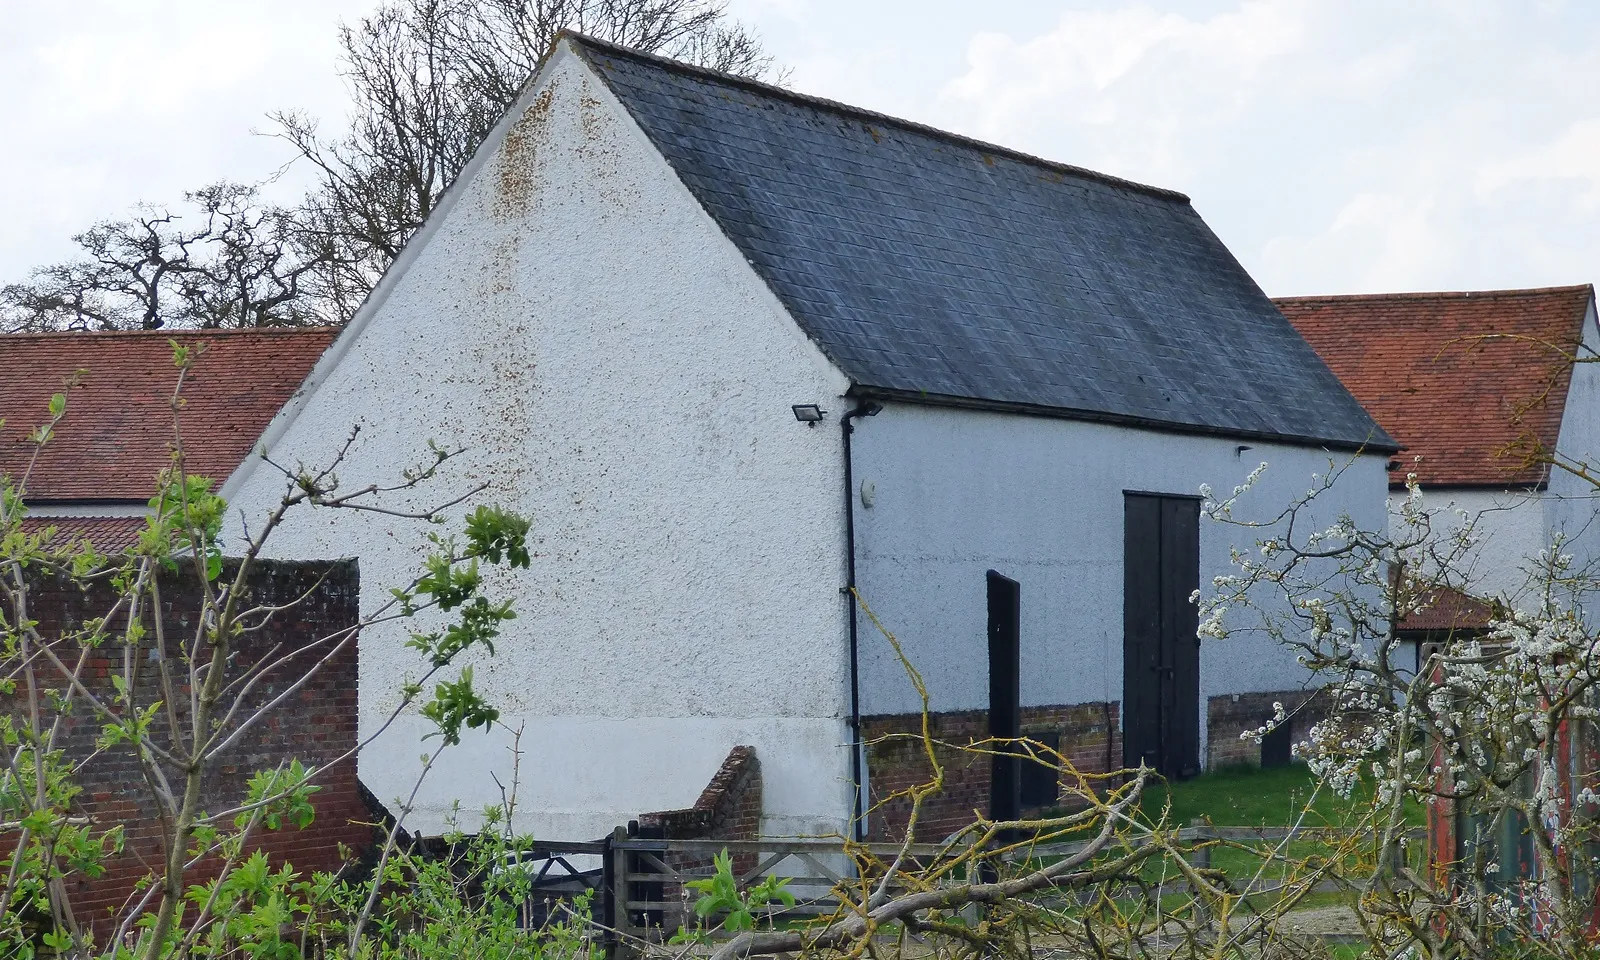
[1573,155]
[1336,145]
[110,103]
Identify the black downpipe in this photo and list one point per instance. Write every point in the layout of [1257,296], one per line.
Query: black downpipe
[858,803]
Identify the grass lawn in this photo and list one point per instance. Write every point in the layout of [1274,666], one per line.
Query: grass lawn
[1254,797]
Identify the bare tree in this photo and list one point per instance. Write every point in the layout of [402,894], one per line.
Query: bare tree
[225,260]
[430,79]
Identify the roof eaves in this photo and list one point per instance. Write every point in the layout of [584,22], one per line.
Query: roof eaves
[86,502]
[1381,443]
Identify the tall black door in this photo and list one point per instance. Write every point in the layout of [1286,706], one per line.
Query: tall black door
[1005,695]
[1161,653]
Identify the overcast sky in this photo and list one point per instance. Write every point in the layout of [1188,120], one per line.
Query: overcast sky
[1335,145]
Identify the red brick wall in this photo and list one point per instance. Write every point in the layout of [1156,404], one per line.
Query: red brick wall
[1230,715]
[1090,738]
[316,725]
[729,808]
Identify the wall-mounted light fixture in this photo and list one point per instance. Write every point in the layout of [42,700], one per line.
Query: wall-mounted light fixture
[808,413]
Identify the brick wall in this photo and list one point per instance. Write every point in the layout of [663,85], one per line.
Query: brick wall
[315,725]
[729,808]
[1089,735]
[1230,715]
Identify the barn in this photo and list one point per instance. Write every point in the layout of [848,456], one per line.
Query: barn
[757,364]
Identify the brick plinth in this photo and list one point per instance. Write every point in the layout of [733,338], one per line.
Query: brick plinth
[1088,735]
[1230,715]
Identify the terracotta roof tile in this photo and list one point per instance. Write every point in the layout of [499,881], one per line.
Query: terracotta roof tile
[107,534]
[1420,364]
[1449,609]
[117,434]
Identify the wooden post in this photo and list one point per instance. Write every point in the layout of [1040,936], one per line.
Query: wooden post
[1201,831]
[1200,859]
[617,896]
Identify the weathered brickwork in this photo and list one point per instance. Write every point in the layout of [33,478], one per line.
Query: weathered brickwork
[315,725]
[1230,715]
[729,808]
[1089,735]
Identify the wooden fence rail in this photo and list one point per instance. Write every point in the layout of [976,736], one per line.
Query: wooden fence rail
[642,891]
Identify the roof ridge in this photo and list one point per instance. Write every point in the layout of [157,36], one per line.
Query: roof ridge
[862,113]
[165,334]
[1439,294]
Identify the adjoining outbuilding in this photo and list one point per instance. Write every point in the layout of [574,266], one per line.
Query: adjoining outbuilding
[1492,397]
[742,355]
[95,478]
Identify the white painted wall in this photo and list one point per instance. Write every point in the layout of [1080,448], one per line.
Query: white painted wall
[1508,527]
[958,492]
[1574,501]
[618,373]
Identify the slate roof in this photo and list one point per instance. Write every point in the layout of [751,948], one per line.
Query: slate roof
[1470,407]
[932,267]
[118,431]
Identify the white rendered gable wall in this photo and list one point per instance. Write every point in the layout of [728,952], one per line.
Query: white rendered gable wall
[1573,503]
[1508,527]
[619,374]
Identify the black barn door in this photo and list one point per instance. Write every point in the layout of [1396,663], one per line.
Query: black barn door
[1161,654]
[1005,694]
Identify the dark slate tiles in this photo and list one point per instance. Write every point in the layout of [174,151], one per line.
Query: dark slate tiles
[924,263]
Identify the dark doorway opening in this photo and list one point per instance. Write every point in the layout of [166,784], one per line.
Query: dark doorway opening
[1041,784]
[1161,653]
[1005,695]
[1277,749]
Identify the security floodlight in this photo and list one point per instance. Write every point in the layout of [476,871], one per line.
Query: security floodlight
[808,413]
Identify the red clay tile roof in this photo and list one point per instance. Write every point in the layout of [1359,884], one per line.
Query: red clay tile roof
[1470,407]
[118,431]
[107,534]
[1447,609]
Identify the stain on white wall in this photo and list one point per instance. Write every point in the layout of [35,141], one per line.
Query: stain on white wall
[618,373]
